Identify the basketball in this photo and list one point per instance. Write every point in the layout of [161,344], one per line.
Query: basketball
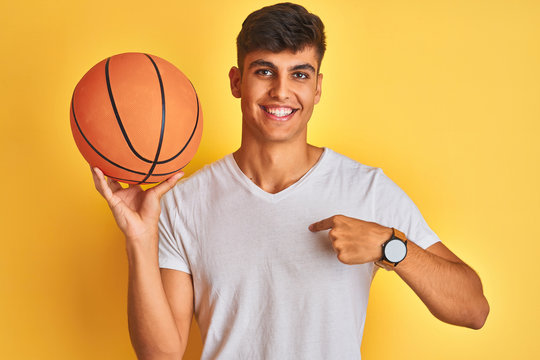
[136,117]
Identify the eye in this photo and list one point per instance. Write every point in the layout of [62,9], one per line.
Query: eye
[301,75]
[264,72]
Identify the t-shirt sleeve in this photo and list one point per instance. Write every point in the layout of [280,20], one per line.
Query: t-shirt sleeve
[172,254]
[394,208]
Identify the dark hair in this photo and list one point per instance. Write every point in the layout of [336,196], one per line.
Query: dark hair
[279,27]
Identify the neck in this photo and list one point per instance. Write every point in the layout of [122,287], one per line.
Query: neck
[276,166]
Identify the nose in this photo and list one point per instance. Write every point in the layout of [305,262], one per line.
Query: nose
[279,88]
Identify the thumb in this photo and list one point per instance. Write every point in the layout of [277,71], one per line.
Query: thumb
[168,184]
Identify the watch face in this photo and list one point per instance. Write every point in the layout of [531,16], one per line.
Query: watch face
[395,250]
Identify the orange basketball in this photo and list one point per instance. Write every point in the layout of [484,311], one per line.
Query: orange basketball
[136,117]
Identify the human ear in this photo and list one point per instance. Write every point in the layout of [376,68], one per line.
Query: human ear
[318,90]
[236,81]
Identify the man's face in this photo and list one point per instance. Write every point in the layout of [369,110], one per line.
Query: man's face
[278,92]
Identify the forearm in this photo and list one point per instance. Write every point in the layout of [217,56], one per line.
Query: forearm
[152,328]
[452,291]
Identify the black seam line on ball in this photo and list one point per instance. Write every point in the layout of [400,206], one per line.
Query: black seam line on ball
[192,132]
[135,181]
[160,143]
[115,109]
[124,133]
[92,146]
[103,156]
[146,182]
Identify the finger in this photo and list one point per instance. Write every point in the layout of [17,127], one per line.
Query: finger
[113,184]
[322,225]
[167,184]
[135,186]
[96,174]
[101,184]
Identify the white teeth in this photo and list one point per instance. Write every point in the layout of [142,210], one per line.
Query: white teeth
[279,112]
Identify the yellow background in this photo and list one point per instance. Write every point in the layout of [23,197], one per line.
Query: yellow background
[443,95]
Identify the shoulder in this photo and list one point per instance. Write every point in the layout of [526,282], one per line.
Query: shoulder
[197,184]
[345,171]
[342,165]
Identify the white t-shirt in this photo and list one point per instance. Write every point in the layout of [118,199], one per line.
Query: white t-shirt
[265,287]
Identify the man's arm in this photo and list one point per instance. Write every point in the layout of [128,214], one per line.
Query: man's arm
[156,328]
[160,306]
[451,290]
[178,287]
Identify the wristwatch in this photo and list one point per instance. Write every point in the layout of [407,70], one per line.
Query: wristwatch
[394,250]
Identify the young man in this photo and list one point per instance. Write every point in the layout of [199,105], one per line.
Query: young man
[274,247]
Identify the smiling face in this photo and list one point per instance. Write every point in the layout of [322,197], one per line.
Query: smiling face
[278,92]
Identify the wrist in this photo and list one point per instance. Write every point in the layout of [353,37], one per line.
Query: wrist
[384,234]
[142,248]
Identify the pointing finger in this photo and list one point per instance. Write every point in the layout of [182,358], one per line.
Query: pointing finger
[322,225]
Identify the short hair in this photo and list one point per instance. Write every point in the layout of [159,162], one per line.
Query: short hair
[284,26]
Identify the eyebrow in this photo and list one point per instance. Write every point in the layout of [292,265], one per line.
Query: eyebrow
[303,67]
[261,62]
[271,65]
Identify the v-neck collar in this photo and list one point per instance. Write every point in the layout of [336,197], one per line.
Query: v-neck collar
[255,190]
